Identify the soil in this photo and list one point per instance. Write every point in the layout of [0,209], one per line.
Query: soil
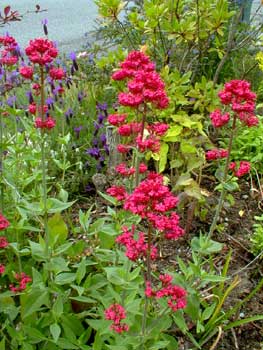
[236,225]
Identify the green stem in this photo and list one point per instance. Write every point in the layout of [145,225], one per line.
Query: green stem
[137,155]
[148,257]
[144,317]
[43,161]
[223,192]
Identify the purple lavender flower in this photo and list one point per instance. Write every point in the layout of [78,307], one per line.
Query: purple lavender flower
[106,149]
[101,118]
[81,95]
[11,100]
[45,22]
[93,152]
[77,130]
[103,139]
[73,57]
[95,142]
[30,96]
[50,102]
[102,106]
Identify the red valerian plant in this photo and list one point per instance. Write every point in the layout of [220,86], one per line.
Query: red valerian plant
[42,52]
[116,313]
[175,294]
[240,101]
[150,199]
[22,280]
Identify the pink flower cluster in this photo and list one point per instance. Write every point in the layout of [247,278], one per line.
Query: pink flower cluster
[48,123]
[176,295]
[149,141]
[123,170]
[41,51]
[116,313]
[241,99]
[152,200]
[9,54]
[135,249]
[117,192]
[216,154]
[3,242]
[243,169]
[22,280]
[145,84]
[4,223]
[2,269]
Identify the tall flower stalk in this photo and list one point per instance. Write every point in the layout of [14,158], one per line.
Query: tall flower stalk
[148,198]
[241,101]
[42,52]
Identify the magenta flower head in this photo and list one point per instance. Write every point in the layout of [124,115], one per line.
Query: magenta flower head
[4,223]
[238,96]
[41,51]
[116,313]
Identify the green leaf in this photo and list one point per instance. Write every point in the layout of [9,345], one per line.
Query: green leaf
[32,302]
[83,299]
[34,334]
[173,133]
[55,206]
[243,321]
[208,312]
[65,278]
[81,271]
[58,306]
[38,251]
[63,248]
[58,230]
[55,331]
[66,344]
[108,198]
[159,345]
[186,147]
[2,344]
[163,156]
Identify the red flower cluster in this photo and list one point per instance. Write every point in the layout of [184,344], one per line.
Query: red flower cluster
[3,242]
[125,171]
[116,313]
[9,54]
[176,295]
[148,142]
[241,99]
[4,223]
[129,129]
[135,249]
[244,168]
[145,84]
[56,73]
[117,192]
[41,51]
[33,108]
[117,119]
[218,119]
[2,269]
[49,123]
[23,280]
[26,72]
[153,201]
[216,154]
